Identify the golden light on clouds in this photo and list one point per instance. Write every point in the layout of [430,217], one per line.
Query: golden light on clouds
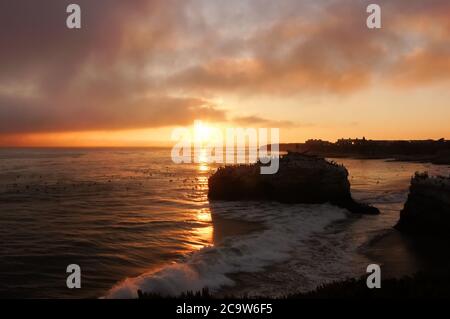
[136,71]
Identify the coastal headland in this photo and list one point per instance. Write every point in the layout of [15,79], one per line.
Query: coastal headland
[429,151]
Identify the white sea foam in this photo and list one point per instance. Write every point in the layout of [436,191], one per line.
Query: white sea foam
[286,226]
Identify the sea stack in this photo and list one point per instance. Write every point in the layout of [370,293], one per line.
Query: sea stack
[427,210]
[300,179]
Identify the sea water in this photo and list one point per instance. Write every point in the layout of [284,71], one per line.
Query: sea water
[132,219]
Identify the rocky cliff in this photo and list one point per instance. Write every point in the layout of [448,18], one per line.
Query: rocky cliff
[427,210]
[300,179]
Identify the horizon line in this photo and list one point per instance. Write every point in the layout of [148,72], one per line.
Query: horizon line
[169,145]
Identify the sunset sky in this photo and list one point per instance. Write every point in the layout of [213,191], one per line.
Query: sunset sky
[139,68]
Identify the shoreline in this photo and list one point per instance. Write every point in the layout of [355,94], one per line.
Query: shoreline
[401,255]
[401,159]
[420,151]
[406,264]
[393,252]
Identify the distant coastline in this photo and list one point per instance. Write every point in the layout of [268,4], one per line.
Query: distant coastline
[424,151]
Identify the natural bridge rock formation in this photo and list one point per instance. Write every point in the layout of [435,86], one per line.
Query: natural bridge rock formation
[427,210]
[300,179]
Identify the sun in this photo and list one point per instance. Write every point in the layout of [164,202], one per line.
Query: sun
[202,132]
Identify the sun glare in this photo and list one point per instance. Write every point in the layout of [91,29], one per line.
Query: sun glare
[204,136]
[202,132]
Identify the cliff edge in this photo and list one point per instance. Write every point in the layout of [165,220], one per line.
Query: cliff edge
[427,210]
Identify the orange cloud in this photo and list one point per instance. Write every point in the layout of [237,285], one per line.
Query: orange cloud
[28,115]
[257,121]
[423,66]
[156,63]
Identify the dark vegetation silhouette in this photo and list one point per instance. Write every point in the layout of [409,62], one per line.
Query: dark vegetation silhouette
[420,285]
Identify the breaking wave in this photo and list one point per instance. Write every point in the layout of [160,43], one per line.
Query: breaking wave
[284,228]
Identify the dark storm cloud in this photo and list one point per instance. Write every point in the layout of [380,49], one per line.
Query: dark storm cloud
[24,116]
[90,78]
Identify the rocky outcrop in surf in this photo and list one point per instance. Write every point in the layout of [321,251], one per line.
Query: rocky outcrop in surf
[427,210]
[300,179]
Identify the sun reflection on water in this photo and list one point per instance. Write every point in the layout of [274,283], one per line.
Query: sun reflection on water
[204,215]
[203,167]
[202,235]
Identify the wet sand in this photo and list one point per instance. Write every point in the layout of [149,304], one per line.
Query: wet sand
[401,255]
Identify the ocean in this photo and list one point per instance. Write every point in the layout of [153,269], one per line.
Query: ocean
[132,219]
